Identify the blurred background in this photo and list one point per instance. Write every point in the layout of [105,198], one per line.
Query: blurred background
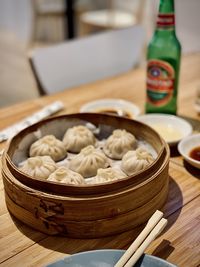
[28,24]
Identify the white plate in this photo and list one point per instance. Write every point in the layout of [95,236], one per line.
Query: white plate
[185,147]
[170,127]
[118,106]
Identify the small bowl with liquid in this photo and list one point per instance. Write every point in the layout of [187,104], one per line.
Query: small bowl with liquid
[189,148]
[172,128]
[111,106]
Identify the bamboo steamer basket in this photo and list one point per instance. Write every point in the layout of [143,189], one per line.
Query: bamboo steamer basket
[87,211]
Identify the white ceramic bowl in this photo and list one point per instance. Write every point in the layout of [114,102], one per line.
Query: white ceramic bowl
[188,144]
[170,127]
[118,107]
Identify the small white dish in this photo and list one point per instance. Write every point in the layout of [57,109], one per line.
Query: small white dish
[118,107]
[170,127]
[187,145]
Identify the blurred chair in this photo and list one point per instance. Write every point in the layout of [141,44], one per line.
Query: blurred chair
[110,18]
[16,78]
[188,31]
[87,59]
[49,20]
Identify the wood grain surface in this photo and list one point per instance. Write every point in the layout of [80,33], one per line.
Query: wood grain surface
[180,243]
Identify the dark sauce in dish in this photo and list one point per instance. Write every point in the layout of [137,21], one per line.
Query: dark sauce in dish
[195,153]
[114,112]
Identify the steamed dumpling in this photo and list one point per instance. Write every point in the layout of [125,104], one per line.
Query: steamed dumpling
[39,167]
[64,175]
[136,160]
[88,161]
[107,175]
[119,143]
[77,138]
[48,145]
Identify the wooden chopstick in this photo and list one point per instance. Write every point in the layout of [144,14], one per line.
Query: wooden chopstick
[152,222]
[155,232]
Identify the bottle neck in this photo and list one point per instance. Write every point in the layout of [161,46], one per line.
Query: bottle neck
[166,16]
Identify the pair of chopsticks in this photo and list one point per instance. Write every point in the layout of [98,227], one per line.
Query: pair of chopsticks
[154,227]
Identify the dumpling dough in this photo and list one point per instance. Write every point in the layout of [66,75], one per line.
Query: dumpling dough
[77,138]
[39,167]
[64,175]
[137,160]
[119,143]
[88,161]
[48,146]
[107,175]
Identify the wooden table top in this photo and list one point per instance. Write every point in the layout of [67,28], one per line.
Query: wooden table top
[180,243]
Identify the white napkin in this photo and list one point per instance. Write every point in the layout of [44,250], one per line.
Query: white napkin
[38,116]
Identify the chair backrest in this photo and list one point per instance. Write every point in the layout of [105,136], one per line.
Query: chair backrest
[188,31]
[48,6]
[88,59]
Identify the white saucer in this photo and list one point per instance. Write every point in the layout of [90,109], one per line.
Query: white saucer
[119,107]
[170,127]
[185,147]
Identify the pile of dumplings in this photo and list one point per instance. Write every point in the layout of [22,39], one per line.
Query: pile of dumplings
[80,158]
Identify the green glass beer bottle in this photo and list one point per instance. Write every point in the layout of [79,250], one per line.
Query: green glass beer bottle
[163,63]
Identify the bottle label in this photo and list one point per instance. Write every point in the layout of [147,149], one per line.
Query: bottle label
[160,82]
[165,20]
